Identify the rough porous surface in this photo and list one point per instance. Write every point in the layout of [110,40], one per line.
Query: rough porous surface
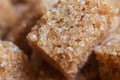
[67,33]
[45,71]
[108,54]
[13,63]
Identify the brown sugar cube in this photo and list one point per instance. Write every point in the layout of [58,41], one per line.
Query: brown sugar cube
[108,54]
[5,8]
[24,24]
[7,16]
[43,70]
[13,63]
[7,21]
[67,33]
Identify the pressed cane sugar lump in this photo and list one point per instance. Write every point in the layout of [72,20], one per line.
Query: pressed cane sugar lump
[67,33]
[7,14]
[13,63]
[108,54]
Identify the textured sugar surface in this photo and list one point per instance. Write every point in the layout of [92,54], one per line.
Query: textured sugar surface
[68,31]
[13,63]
